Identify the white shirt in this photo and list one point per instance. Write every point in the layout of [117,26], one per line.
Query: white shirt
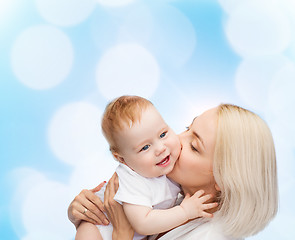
[200,229]
[158,193]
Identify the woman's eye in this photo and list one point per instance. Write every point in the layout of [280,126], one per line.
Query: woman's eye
[163,134]
[186,128]
[193,148]
[146,147]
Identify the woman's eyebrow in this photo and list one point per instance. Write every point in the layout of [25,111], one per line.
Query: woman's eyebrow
[199,137]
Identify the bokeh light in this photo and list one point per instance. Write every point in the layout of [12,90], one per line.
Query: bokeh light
[42,57]
[65,12]
[127,69]
[114,3]
[282,97]
[172,41]
[43,211]
[256,29]
[253,79]
[74,133]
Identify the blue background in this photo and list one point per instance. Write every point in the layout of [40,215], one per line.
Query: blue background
[62,61]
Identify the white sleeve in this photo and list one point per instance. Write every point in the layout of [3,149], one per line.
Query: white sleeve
[100,193]
[132,189]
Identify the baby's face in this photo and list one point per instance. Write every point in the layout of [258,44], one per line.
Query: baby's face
[149,147]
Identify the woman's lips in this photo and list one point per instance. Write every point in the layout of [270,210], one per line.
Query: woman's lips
[164,162]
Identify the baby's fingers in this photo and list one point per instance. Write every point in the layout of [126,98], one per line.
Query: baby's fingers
[207,215]
[209,205]
[205,198]
[199,193]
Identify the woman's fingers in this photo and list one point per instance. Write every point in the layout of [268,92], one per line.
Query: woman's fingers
[111,190]
[98,217]
[113,185]
[98,187]
[87,200]
[80,211]
[97,203]
[116,182]
[84,217]
[121,226]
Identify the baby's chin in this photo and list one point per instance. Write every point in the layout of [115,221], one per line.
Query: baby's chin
[171,173]
[172,169]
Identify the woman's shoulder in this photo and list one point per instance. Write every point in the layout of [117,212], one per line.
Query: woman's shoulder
[210,230]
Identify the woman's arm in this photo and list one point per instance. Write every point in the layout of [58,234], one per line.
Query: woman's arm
[122,229]
[88,207]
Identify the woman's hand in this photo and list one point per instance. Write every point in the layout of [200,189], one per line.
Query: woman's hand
[121,226]
[88,207]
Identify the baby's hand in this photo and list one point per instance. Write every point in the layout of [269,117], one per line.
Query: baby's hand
[195,206]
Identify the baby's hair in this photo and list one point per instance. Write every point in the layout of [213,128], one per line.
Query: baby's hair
[120,113]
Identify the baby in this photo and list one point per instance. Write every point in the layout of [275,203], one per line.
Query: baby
[147,150]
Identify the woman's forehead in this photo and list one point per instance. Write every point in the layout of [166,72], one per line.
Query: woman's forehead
[205,125]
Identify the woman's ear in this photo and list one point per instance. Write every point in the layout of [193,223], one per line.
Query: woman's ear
[118,157]
[217,187]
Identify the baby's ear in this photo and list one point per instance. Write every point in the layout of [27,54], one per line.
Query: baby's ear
[118,157]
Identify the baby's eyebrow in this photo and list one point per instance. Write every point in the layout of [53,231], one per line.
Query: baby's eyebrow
[141,144]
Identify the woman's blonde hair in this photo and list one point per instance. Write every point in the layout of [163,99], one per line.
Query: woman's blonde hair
[245,170]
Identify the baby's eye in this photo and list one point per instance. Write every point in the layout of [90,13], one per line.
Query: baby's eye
[186,128]
[163,134]
[146,147]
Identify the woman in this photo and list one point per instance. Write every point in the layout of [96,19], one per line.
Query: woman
[227,151]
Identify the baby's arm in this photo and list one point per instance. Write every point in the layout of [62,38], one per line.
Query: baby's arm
[87,231]
[147,221]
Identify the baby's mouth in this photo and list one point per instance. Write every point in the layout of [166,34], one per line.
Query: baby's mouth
[164,161]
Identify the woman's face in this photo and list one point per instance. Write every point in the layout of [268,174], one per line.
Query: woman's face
[194,168]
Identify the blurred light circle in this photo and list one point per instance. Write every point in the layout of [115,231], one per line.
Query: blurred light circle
[253,79]
[23,178]
[133,24]
[136,24]
[42,57]
[256,29]
[288,6]
[41,234]
[230,5]
[115,3]
[74,134]
[44,209]
[104,29]
[90,175]
[282,98]
[173,39]
[127,69]
[65,12]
